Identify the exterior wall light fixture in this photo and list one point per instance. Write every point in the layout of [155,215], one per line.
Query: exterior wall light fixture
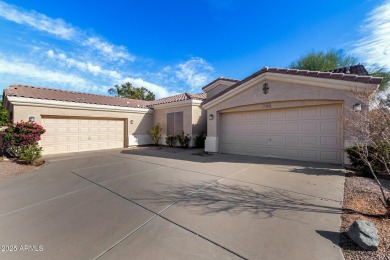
[357,107]
[31,119]
[211,117]
[265,88]
[131,122]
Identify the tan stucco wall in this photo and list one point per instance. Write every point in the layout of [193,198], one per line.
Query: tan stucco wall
[281,92]
[194,120]
[216,90]
[160,116]
[199,120]
[222,85]
[142,122]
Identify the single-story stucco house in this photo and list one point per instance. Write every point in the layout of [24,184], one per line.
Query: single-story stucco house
[282,113]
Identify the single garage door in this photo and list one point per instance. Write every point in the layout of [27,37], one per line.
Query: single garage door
[306,133]
[65,135]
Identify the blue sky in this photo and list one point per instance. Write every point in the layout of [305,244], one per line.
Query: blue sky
[175,46]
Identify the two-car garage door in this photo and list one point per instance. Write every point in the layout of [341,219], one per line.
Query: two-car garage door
[64,135]
[305,133]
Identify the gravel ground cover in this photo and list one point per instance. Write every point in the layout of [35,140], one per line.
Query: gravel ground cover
[12,168]
[362,201]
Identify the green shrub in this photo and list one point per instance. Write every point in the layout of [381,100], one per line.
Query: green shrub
[170,140]
[200,140]
[184,139]
[3,115]
[155,133]
[374,151]
[30,153]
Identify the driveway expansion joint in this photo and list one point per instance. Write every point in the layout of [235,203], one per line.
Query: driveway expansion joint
[42,202]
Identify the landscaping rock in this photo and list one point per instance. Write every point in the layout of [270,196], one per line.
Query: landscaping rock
[365,234]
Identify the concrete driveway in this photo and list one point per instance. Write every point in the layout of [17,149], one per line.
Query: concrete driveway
[149,203]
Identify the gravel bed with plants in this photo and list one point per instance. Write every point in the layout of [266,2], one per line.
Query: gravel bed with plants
[362,200]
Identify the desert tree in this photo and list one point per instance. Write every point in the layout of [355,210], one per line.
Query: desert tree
[337,58]
[127,90]
[368,134]
[324,60]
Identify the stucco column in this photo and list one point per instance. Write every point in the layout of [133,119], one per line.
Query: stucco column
[211,144]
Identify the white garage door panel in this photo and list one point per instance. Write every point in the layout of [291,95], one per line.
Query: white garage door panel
[74,135]
[309,133]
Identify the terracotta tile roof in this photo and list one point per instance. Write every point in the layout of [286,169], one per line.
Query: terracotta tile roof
[220,78]
[71,96]
[355,69]
[179,97]
[200,96]
[79,97]
[322,74]
[306,73]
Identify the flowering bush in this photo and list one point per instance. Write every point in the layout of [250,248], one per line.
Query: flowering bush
[19,135]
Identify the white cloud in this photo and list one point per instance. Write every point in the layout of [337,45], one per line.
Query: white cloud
[36,20]
[61,29]
[50,53]
[374,47]
[167,69]
[159,91]
[27,71]
[83,66]
[195,72]
[111,51]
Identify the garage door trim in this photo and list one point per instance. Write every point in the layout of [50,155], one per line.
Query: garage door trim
[282,104]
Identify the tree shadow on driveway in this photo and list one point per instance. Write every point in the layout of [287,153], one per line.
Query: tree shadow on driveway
[318,171]
[235,199]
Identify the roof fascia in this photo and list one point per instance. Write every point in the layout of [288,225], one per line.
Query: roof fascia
[189,102]
[72,105]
